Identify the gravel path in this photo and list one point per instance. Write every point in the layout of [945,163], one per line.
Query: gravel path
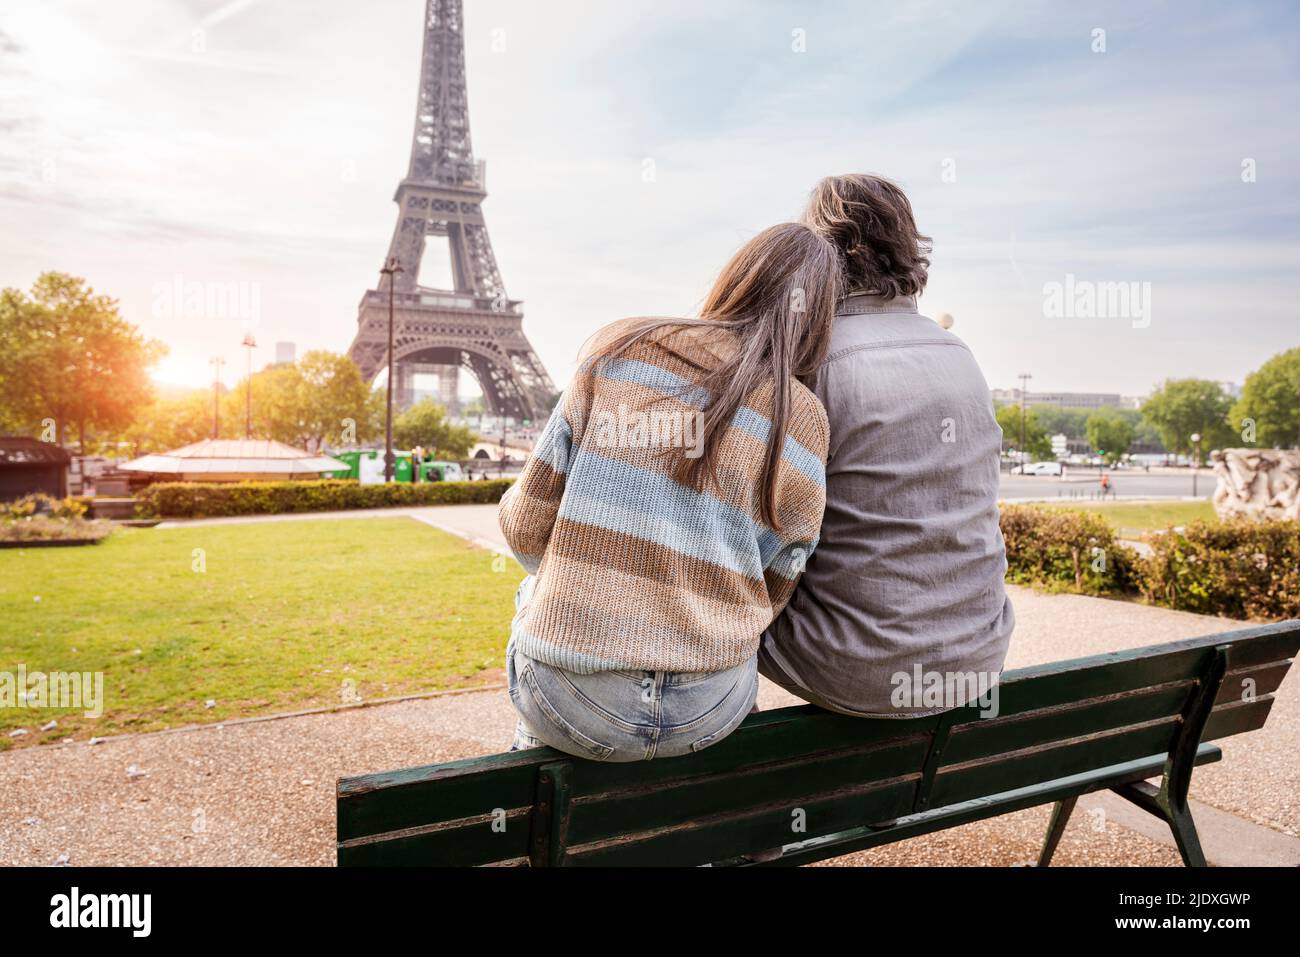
[263,792]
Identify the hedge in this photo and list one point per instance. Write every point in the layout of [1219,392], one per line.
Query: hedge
[1061,549]
[210,500]
[1238,569]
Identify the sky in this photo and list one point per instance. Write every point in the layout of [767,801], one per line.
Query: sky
[251,148]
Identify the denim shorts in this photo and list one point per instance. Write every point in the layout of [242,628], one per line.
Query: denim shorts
[626,715]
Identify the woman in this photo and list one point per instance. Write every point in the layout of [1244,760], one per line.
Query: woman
[668,509]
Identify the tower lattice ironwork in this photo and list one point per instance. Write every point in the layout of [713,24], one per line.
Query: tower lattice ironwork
[473,325]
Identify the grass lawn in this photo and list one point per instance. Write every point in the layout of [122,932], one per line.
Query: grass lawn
[1138,517]
[285,615]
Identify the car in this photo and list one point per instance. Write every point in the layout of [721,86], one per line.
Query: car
[1038,468]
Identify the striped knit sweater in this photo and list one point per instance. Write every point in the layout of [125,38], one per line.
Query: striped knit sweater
[634,570]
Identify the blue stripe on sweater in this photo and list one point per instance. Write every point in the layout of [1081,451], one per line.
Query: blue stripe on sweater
[760,426]
[648,505]
[554,444]
[754,423]
[653,377]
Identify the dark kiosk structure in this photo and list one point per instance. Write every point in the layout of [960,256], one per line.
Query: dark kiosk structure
[28,465]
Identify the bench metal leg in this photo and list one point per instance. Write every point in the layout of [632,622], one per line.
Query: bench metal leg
[1169,801]
[1060,817]
[1157,801]
[1185,836]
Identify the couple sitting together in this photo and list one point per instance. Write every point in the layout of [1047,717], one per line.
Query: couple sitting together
[807,490]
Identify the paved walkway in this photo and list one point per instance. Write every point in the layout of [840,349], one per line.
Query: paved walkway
[262,792]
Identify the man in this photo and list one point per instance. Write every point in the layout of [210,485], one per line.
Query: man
[904,593]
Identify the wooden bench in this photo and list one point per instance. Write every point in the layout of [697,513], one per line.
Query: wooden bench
[1063,730]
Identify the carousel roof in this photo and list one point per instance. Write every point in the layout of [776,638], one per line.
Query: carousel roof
[235,455]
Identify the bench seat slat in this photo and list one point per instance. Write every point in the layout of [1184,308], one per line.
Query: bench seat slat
[1259,681]
[1237,717]
[791,784]
[397,806]
[472,843]
[953,815]
[748,828]
[988,736]
[965,782]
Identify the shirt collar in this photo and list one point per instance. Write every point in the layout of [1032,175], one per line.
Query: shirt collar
[859,303]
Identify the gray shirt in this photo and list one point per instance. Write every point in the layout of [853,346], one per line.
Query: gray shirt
[909,570]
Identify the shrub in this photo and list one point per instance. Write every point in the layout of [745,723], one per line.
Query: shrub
[206,500]
[1068,550]
[38,503]
[1238,569]
[42,528]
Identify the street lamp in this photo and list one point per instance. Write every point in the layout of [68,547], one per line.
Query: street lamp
[217,363]
[1196,459]
[390,270]
[1024,381]
[250,344]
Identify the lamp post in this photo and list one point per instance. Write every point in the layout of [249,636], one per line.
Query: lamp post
[1196,459]
[1024,382]
[390,270]
[250,344]
[217,363]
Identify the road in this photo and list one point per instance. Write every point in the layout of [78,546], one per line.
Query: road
[1124,484]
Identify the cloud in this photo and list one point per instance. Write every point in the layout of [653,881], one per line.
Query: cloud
[271,153]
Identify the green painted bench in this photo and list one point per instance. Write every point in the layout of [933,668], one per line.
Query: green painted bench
[822,785]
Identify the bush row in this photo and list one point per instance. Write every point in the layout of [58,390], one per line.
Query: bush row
[211,500]
[1238,569]
[1064,549]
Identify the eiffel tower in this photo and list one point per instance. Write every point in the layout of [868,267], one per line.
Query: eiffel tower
[473,325]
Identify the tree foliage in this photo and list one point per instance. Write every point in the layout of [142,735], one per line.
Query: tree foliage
[1270,400]
[320,399]
[1038,442]
[68,358]
[1110,434]
[1181,408]
[425,424]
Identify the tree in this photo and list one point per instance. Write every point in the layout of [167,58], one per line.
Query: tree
[167,424]
[1110,434]
[68,356]
[1037,442]
[1270,400]
[1183,407]
[426,424]
[320,399]
[1070,422]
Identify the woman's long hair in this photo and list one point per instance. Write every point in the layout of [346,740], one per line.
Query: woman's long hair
[770,309]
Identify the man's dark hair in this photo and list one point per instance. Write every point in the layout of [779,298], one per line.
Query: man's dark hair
[869,219]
